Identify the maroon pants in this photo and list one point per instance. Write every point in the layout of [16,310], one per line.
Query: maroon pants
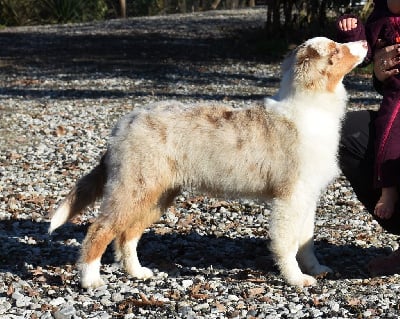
[387,145]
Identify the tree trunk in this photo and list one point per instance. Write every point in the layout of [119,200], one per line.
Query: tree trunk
[182,6]
[215,4]
[322,13]
[232,4]
[276,15]
[122,4]
[287,11]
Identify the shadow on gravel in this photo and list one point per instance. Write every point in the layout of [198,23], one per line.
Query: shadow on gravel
[84,54]
[347,261]
[109,94]
[27,243]
[155,60]
[134,44]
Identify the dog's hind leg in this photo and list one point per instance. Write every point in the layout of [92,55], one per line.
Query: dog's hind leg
[125,247]
[96,241]
[116,212]
[306,254]
[126,243]
[286,218]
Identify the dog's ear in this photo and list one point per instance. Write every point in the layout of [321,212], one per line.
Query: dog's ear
[304,56]
[305,60]
[306,72]
[335,54]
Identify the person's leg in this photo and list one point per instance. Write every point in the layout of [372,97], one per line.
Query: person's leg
[356,159]
[387,152]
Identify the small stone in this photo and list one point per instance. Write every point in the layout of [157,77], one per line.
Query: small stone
[46,315]
[187,283]
[57,302]
[4,306]
[185,310]
[101,291]
[116,297]
[202,306]
[65,313]
[106,302]
[21,300]
[233,298]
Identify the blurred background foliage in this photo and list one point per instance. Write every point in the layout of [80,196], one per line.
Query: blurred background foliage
[31,12]
[284,18]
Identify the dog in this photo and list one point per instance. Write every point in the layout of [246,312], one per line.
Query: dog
[283,150]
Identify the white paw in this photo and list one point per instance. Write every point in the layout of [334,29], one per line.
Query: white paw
[92,282]
[302,281]
[140,273]
[90,274]
[319,270]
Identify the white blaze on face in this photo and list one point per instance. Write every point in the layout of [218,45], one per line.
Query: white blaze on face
[358,49]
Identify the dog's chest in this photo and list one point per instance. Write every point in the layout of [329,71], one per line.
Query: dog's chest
[319,139]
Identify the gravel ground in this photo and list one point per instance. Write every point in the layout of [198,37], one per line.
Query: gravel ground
[61,90]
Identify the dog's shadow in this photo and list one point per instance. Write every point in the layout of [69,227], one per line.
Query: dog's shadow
[27,243]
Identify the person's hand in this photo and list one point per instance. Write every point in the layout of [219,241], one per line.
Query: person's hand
[347,24]
[386,62]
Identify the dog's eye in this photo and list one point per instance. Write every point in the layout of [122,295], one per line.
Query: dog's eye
[336,51]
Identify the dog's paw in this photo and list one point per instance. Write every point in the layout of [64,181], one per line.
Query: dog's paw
[302,281]
[92,282]
[320,270]
[140,273]
[90,274]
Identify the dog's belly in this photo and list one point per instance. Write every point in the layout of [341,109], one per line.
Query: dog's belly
[249,179]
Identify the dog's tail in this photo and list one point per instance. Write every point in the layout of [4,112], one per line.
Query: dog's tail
[89,188]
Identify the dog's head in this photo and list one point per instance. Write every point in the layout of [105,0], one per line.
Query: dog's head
[320,64]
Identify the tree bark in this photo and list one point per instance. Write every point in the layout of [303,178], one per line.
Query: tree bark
[122,4]
[215,4]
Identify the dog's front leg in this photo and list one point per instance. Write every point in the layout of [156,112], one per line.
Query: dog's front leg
[306,254]
[286,219]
